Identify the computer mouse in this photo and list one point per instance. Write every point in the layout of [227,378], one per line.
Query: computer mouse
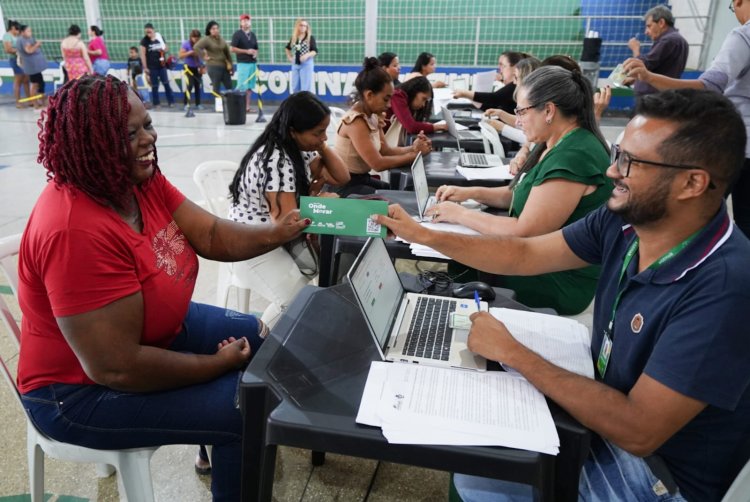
[466,290]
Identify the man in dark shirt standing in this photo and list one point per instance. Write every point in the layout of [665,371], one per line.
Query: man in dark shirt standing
[669,53]
[154,61]
[245,45]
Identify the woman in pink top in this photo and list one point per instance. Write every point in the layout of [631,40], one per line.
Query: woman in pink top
[98,50]
[75,56]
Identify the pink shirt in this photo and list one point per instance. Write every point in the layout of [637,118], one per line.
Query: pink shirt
[97,44]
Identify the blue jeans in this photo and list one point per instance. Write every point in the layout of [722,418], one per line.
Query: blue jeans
[101,66]
[610,474]
[99,417]
[302,76]
[156,75]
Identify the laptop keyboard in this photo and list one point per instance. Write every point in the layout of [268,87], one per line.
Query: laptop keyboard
[475,159]
[429,334]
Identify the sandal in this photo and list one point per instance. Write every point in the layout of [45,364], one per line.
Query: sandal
[202,464]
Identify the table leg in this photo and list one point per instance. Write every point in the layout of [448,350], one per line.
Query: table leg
[318,458]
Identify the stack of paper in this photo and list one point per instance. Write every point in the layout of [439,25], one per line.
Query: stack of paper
[428,252]
[563,342]
[417,404]
[498,173]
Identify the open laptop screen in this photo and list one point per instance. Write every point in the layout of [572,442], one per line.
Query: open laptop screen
[422,191]
[378,288]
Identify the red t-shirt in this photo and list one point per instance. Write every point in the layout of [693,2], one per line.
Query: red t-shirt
[78,256]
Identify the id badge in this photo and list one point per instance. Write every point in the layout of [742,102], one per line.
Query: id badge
[603,360]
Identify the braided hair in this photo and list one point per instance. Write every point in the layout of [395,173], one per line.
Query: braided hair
[83,139]
[300,112]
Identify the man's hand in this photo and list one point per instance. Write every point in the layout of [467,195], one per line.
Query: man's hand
[635,68]
[635,46]
[401,224]
[491,339]
[448,212]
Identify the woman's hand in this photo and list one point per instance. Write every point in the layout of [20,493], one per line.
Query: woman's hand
[447,212]
[289,227]
[235,352]
[492,112]
[462,93]
[452,193]
[496,124]
[422,144]
[517,162]
[381,120]
[440,127]
[602,98]
[439,84]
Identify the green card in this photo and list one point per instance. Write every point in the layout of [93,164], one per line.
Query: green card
[343,216]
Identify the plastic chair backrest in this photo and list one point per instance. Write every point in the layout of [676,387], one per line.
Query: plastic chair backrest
[9,247]
[213,178]
[491,138]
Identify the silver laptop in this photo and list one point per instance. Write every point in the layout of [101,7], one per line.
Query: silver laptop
[469,159]
[424,200]
[410,327]
[453,131]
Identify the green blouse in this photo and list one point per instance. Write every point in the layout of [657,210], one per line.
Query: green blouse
[579,157]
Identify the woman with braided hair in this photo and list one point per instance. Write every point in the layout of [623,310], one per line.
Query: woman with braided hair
[562,180]
[289,159]
[114,354]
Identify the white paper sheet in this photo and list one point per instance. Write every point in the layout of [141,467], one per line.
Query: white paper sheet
[499,173]
[563,342]
[417,404]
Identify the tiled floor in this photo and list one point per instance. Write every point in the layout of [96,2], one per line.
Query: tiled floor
[183,143]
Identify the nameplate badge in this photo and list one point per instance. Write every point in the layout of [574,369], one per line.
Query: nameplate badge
[343,216]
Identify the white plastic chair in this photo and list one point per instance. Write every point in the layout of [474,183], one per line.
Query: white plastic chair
[213,178]
[132,465]
[740,488]
[336,116]
[491,140]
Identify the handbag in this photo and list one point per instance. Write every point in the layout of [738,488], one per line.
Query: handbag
[305,253]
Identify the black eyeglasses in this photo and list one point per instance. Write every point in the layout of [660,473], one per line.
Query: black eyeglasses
[623,160]
[731,5]
[520,112]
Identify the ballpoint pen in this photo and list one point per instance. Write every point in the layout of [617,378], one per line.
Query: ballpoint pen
[476,299]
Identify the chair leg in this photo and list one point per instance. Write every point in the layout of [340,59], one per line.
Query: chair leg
[223,285]
[134,477]
[104,470]
[36,466]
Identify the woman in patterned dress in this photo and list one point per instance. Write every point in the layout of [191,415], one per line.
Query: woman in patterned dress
[75,54]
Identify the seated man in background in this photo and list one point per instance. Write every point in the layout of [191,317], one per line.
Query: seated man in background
[670,405]
[669,53]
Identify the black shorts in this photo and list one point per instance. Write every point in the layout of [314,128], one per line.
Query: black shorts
[38,79]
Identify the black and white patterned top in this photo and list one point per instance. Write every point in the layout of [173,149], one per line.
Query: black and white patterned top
[278,176]
[302,46]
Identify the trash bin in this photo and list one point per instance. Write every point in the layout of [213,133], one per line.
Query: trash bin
[590,70]
[234,107]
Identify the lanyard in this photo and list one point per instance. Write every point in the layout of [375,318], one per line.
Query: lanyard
[658,263]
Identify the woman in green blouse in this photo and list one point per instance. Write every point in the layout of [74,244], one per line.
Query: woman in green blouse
[562,180]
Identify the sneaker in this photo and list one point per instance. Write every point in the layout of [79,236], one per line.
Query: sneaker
[170,105]
[200,107]
[186,107]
